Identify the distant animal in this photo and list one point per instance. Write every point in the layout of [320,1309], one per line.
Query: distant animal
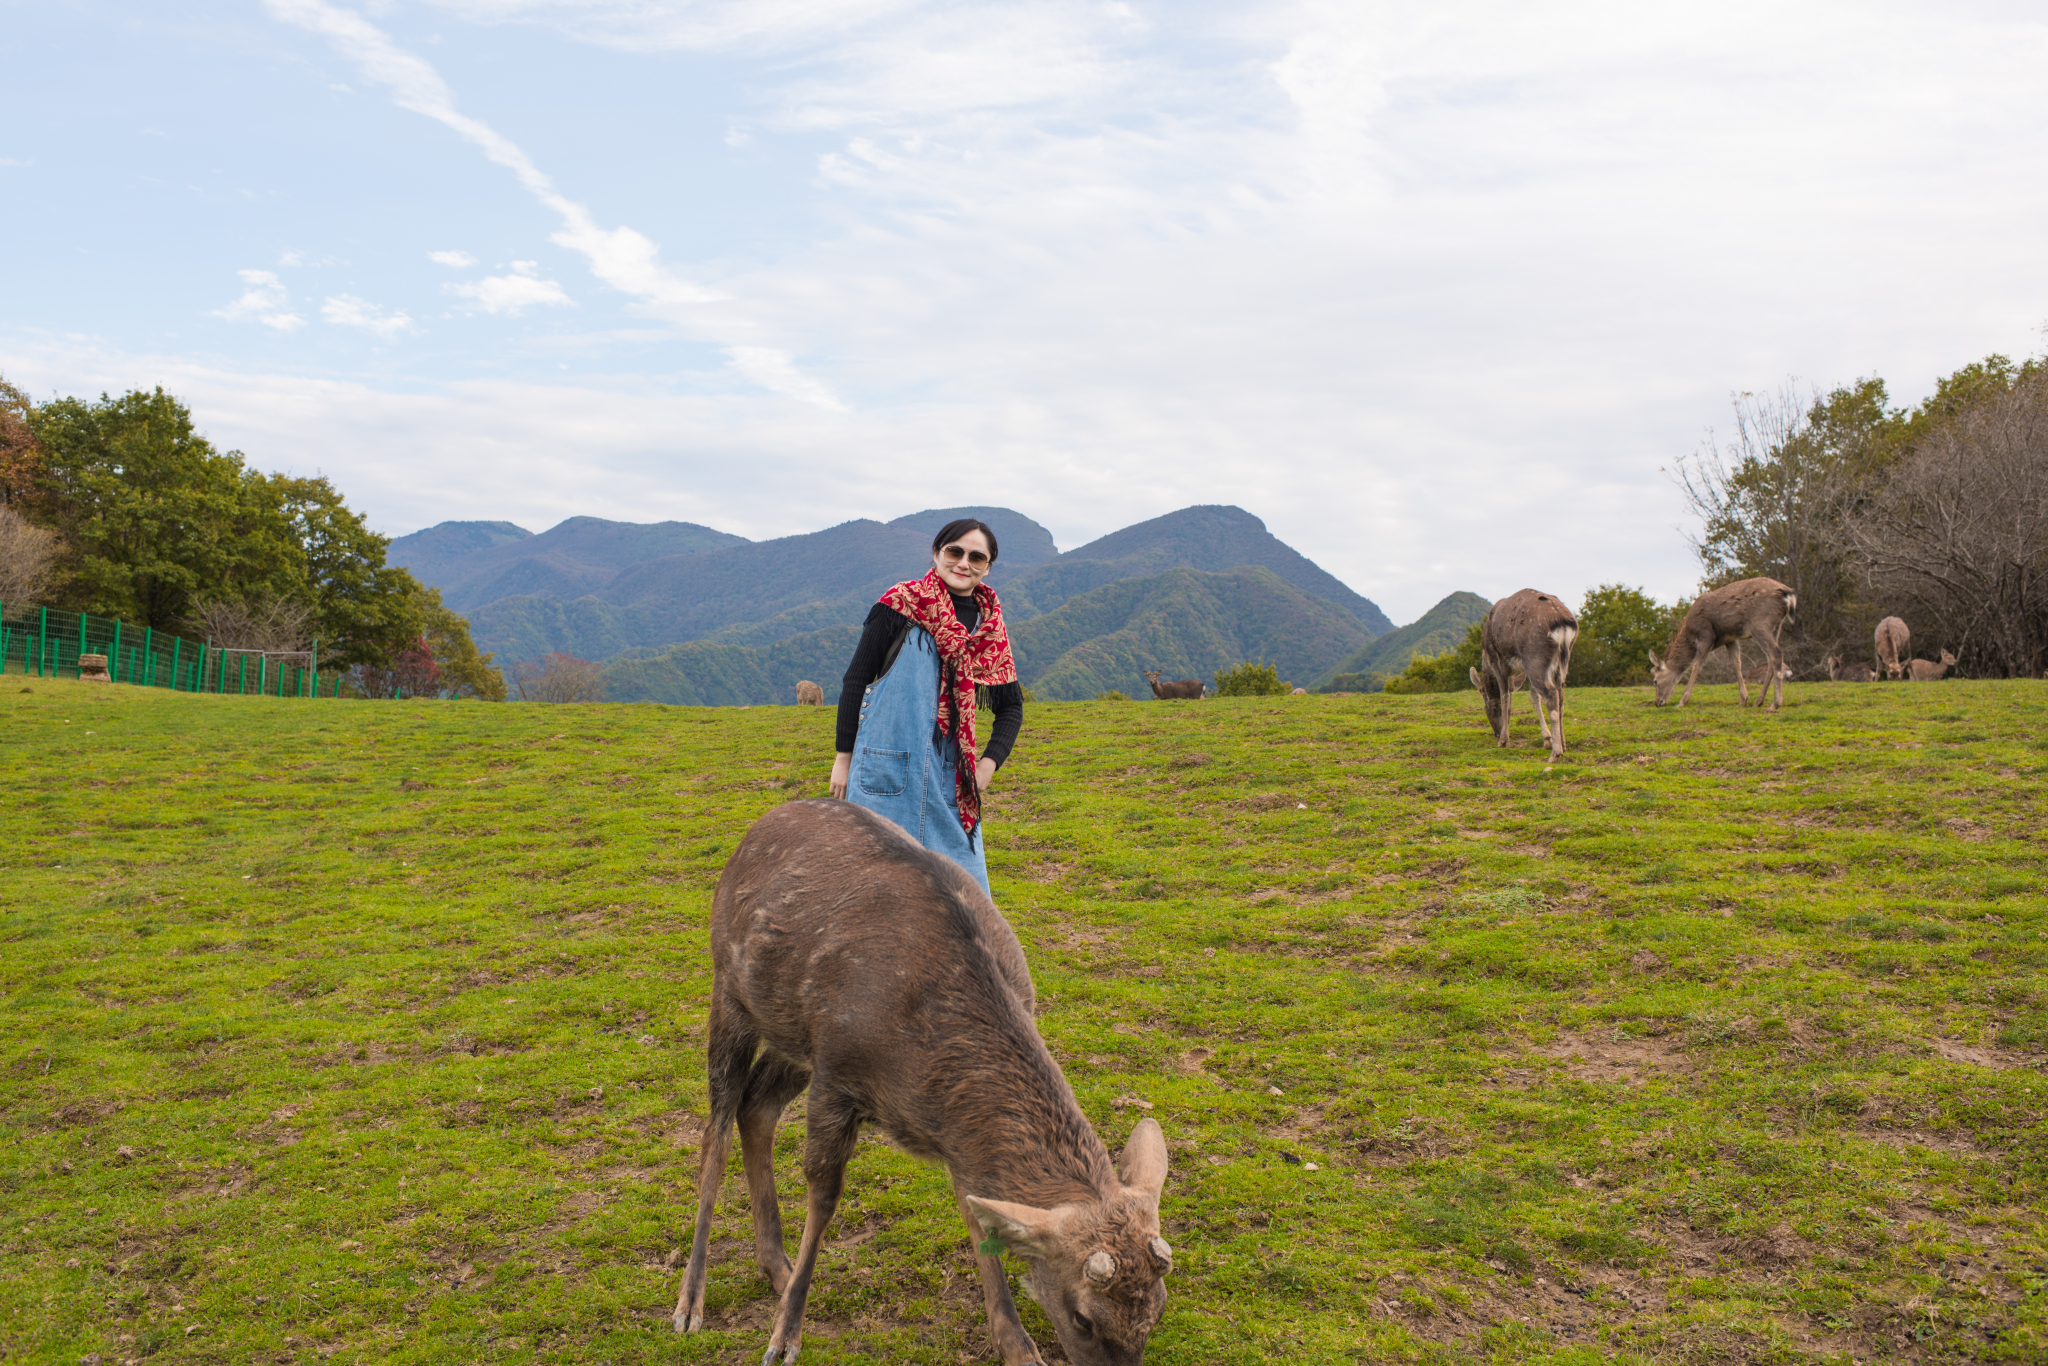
[1186,687]
[1749,609]
[809,694]
[1300,692]
[1927,671]
[848,958]
[1531,634]
[1850,673]
[1894,643]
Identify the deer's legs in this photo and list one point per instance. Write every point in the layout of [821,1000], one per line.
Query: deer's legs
[830,1143]
[1004,1324]
[1699,657]
[1548,692]
[1774,682]
[1507,706]
[729,1059]
[1741,679]
[769,1087]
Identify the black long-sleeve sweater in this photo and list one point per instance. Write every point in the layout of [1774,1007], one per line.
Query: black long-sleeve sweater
[884,624]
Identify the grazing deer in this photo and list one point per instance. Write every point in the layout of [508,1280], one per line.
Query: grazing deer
[1894,643]
[1186,687]
[1927,671]
[849,959]
[1530,634]
[809,694]
[1750,609]
[1850,673]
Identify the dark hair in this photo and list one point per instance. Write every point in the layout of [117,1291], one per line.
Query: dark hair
[960,526]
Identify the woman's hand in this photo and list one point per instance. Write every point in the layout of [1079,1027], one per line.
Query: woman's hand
[984,773]
[842,765]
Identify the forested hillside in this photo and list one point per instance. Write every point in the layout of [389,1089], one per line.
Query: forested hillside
[1439,629]
[687,614]
[1185,623]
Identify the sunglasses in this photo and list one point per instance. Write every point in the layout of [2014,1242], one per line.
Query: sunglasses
[956,553]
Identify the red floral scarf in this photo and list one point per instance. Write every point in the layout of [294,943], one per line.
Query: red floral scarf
[967,658]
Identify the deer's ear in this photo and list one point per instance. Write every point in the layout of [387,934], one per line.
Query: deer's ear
[1475,678]
[1654,662]
[1143,1162]
[1023,1229]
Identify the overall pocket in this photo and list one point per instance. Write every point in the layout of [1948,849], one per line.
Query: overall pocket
[884,772]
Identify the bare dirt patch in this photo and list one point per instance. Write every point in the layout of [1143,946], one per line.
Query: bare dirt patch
[1625,1062]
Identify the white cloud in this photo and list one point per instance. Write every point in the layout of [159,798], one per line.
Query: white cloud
[458,260]
[346,310]
[776,371]
[264,300]
[621,257]
[512,293]
[16,161]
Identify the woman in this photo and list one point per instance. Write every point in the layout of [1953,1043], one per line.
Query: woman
[906,746]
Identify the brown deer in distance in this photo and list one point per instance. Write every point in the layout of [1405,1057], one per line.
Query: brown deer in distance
[1530,634]
[1190,688]
[1750,609]
[1927,671]
[1894,646]
[849,959]
[1857,672]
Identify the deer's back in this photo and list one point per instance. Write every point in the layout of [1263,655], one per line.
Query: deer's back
[859,954]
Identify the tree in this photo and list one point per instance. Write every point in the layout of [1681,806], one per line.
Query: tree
[28,558]
[1956,539]
[1771,502]
[462,671]
[1450,671]
[1250,680]
[151,516]
[557,677]
[21,460]
[1619,628]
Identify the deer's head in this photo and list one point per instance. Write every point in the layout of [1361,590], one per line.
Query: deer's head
[1488,694]
[1151,675]
[1947,658]
[1096,1267]
[1665,677]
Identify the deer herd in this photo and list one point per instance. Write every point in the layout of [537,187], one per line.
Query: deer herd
[851,962]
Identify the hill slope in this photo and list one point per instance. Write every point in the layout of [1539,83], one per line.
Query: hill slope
[1184,622]
[476,563]
[1441,628]
[1209,537]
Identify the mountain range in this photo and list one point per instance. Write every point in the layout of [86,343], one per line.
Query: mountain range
[692,615]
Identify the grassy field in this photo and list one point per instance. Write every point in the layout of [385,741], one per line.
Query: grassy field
[371,1032]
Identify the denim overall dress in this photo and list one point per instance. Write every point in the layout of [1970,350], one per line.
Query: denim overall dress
[898,771]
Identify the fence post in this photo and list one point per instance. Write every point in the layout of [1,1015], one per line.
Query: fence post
[177,650]
[43,646]
[316,666]
[242,675]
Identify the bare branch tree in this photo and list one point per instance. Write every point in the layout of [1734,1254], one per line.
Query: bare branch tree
[275,626]
[1771,501]
[1957,536]
[558,677]
[28,558]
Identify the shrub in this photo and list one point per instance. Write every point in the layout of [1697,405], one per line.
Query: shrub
[1371,681]
[1112,696]
[1619,628]
[1447,672]
[1250,680]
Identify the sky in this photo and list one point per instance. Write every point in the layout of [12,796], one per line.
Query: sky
[1441,292]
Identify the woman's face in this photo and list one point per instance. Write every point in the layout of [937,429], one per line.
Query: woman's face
[957,563]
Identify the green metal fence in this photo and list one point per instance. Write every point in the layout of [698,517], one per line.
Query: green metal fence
[42,643]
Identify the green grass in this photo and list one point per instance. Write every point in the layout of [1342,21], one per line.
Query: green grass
[371,1032]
